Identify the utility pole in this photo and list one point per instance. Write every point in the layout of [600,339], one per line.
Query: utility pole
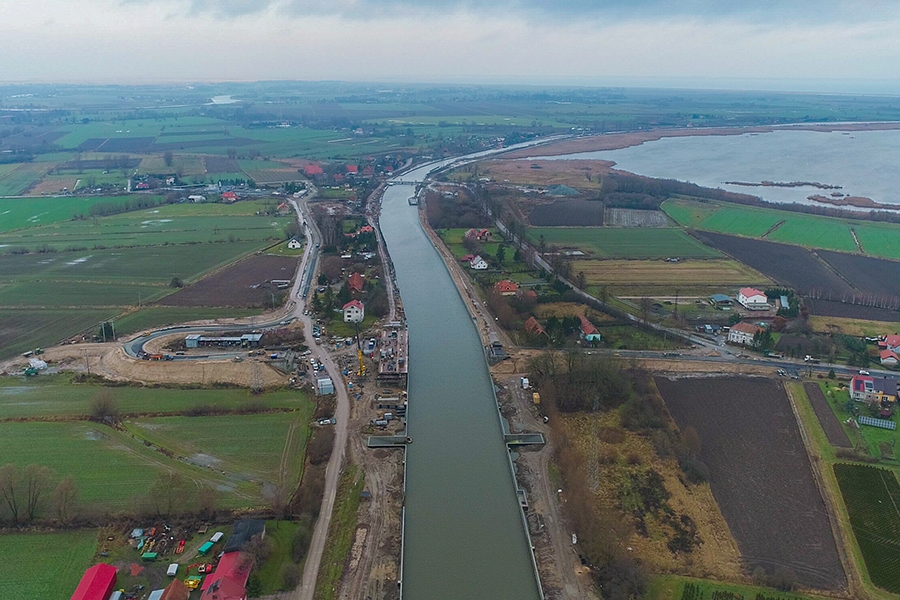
[113,324]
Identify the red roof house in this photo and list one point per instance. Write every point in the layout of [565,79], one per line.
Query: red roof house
[588,331]
[892,342]
[366,229]
[176,591]
[97,583]
[533,327]
[467,258]
[506,288]
[229,580]
[229,196]
[356,282]
[311,170]
[889,358]
[352,169]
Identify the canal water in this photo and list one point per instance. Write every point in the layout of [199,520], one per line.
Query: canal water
[464,533]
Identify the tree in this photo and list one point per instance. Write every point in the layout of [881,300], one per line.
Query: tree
[35,483]
[580,281]
[168,492]
[501,254]
[646,306]
[10,483]
[168,158]
[103,407]
[176,283]
[64,497]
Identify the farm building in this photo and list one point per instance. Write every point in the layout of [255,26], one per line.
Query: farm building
[864,388]
[97,583]
[356,282]
[587,330]
[478,263]
[229,580]
[294,243]
[482,235]
[889,358]
[506,287]
[229,197]
[244,530]
[742,333]
[354,311]
[197,198]
[248,340]
[721,300]
[176,591]
[752,299]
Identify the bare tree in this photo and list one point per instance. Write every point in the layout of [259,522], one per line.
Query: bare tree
[36,483]
[103,407]
[10,483]
[64,497]
[168,158]
[168,492]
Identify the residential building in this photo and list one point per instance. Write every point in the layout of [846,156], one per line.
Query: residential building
[354,312]
[889,358]
[892,342]
[742,333]
[356,282]
[176,591]
[294,243]
[478,263]
[588,331]
[97,583]
[721,300]
[229,580]
[752,299]
[865,388]
[533,327]
[506,287]
[229,197]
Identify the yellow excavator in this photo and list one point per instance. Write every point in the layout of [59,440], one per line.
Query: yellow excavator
[362,366]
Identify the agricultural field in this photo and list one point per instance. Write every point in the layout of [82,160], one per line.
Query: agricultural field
[828,233]
[875,276]
[877,443]
[759,474]
[240,285]
[629,217]
[57,395]
[152,317]
[578,174]
[26,329]
[44,565]
[827,419]
[567,213]
[843,311]
[20,213]
[18,180]
[603,242]
[673,587]
[648,277]
[872,495]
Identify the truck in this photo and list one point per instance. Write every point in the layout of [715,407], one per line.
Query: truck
[811,360]
[157,356]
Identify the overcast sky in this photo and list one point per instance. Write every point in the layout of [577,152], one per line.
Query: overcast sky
[810,45]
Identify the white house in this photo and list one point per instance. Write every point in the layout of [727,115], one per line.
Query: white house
[354,312]
[294,243]
[197,198]
[742,333]
[478,263]
[752,299]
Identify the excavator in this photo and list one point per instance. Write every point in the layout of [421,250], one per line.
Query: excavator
[362,366]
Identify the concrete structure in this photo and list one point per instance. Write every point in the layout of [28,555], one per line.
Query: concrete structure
[354,312]
[864,388]
[742,333]
[752,299]
[478,263]
[248,340]
[97,583]
[294,244]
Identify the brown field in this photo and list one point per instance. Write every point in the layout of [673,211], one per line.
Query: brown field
[760,474]
[53,185]
[876,276]
[856,327]
[232,285]
[845,310]
[629,217]
[563,213]
[573,173]
[569,309]
[716,273]
[830,424]
[221,164]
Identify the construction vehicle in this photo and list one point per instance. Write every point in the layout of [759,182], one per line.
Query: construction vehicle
[30,372]
[362,366]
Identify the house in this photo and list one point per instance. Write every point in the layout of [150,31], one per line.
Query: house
[742,333]
[527,294]
[352,168]
[366,229]
[229,197]
[588,331]
[892,342]
[97,583]
[478,263]
[467,258]
[721,300]
[356,282]
[312,170]
[197,198]
[533,327]
[506,288]
[482,235]
[354,312]
[864,388]
[244,530]
[889,358]
[229,580]
[294,243]
[752,299]
[176,591]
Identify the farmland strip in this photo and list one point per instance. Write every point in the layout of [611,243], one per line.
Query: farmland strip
[830,424]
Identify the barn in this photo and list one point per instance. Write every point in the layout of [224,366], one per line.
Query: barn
[96,584]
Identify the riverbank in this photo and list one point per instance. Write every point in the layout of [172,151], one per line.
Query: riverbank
[617,141]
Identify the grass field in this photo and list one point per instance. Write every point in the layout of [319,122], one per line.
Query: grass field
[876,239]
[44,565]
[19,213]
[281,535]
[621,275]
[340,534]
[16,181]
[56,395]
[856,327]
[872,496]
[602,242]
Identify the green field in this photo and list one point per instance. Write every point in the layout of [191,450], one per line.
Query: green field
[604,242]
[281,535]
[16,181]
[44,565]
[19,213]
[26,329]
[56,395]
[671,587]
[876,239]
[872,496]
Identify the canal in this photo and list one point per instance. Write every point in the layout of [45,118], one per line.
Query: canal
[464,534]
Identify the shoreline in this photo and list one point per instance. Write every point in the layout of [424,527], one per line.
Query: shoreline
[617,141]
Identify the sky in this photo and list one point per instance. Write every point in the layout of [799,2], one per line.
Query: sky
[796,45]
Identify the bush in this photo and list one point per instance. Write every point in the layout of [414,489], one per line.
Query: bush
[320,446]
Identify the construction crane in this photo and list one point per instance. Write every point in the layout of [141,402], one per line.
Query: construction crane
[362,366]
